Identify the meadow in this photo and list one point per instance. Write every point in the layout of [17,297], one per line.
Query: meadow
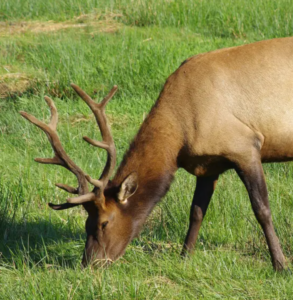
[46,45]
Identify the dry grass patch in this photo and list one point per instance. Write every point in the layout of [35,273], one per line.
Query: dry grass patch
[100,22]
[14,84]
[120,121]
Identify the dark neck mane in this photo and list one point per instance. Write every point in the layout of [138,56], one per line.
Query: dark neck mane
[153,155]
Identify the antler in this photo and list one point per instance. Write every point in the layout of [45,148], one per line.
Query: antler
[98,110]
[62,159]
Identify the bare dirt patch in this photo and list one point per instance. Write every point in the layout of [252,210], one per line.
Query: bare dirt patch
[101,23]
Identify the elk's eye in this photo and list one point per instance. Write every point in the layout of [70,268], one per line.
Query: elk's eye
[104,224]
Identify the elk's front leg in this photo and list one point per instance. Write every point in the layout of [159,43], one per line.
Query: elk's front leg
[251,173]
[204,190]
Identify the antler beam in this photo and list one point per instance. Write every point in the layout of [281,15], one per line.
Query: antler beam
[98,110]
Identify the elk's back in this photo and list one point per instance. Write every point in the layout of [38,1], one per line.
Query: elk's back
[230,98]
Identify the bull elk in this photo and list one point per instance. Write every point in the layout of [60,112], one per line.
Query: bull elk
[226,109]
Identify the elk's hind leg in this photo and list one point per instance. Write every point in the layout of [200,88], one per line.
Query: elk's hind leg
[251,173]
[204,190]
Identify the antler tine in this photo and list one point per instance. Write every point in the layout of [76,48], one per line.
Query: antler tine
[62,206]
[82,199]
[105,101]
[54,113]
[67,188]
[60,157]
[98,110]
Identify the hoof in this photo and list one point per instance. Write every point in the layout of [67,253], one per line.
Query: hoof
[279,265]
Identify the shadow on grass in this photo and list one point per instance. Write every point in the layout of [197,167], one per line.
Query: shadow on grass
[28,236]
[32,242]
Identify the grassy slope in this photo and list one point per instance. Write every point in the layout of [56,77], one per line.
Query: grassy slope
[136,47]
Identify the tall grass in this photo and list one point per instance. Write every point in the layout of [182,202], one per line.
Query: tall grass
[217,17]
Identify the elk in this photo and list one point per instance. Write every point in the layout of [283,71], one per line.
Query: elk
[226,109]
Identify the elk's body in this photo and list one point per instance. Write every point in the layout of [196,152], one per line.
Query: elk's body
[231,108]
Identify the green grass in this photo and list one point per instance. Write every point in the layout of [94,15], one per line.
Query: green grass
[216,17]
[136,47]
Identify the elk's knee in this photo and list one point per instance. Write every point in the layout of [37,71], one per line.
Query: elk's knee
[197,214]
[263,214]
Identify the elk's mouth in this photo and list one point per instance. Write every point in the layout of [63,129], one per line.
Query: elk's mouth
[102,263]
[97,263]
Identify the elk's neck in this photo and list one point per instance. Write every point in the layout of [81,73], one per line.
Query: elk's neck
[153,155]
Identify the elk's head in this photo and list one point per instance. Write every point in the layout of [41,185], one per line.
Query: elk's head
[109,228]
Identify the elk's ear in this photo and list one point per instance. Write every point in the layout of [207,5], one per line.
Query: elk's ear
[128,187]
